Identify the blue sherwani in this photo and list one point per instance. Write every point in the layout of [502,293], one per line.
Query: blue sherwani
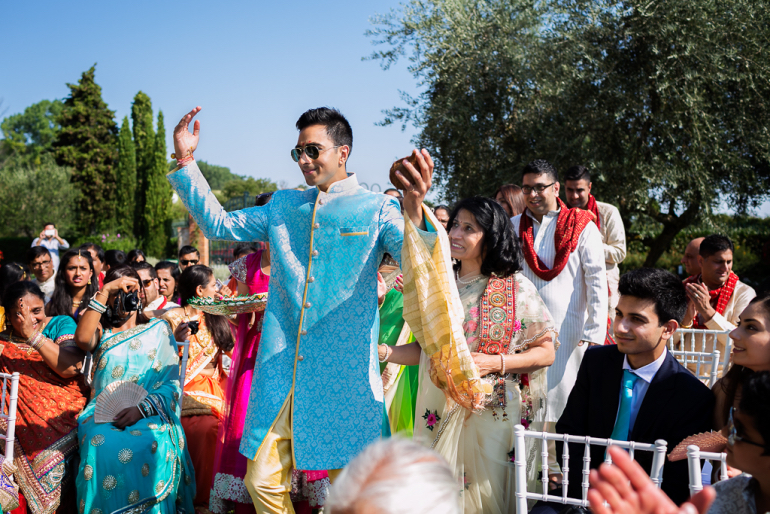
[321,326]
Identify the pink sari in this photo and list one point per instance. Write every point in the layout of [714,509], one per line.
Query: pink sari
[228,491]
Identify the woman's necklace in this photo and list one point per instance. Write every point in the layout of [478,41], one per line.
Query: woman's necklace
[470,280]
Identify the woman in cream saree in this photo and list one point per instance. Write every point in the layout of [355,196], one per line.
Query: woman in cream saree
[511,339]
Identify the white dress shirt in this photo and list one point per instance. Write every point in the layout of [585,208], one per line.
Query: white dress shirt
[48,286]
[645,374]
[576,298]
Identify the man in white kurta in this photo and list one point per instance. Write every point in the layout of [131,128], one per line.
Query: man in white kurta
[577,182]
[716,297]
[577,296]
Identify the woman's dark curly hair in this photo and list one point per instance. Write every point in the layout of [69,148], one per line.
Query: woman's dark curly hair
[501,251]
[189,280]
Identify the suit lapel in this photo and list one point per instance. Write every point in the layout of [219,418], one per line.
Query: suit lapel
[657,396]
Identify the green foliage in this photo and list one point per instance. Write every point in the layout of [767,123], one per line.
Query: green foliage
[144,141]
[216,176]
[126,179]
[750,235]
[251,185]
[87,143]
[158,195]
[35,195]
[30,135]
[111,241]
[666,102]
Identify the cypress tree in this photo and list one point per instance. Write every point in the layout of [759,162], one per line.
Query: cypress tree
[157,197]
[144,139]
[88,143]
[126,179]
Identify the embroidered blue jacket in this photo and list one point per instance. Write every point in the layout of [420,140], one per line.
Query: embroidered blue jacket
[321,326]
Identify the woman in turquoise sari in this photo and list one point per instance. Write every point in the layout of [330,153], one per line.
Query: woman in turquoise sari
[139,462]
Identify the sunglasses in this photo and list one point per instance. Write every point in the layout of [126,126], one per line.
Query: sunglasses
[185,263]
[147,283]
[732,434]
[312,151]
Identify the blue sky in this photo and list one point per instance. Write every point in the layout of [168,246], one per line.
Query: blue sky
[254,67]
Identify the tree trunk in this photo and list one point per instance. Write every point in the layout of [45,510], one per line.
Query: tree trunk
[672,225]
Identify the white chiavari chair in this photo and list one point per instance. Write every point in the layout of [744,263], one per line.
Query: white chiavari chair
[706,341]
[704,365]
[520,464]
[10,405]
[694,456]
[185,354]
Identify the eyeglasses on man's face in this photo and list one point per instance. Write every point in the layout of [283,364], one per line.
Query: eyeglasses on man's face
[312,151]
[733,437]
[147,283]
[186,263]
[537,188]
[40,264]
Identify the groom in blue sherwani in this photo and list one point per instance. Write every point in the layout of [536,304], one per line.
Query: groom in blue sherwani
[316,396]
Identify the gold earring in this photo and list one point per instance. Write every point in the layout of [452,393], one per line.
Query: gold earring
[89,281]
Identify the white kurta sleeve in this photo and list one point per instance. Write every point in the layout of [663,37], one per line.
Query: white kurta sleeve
[615,242]
[591,252]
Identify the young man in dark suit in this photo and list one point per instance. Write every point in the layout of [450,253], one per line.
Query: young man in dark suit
[637,391]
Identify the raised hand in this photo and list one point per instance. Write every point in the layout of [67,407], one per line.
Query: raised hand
[628,490]
[184,142]
[421,180]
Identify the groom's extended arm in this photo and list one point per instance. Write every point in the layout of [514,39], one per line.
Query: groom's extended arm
[188,182]
[213,220]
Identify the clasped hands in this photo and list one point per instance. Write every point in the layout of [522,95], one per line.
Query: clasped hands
[699,301]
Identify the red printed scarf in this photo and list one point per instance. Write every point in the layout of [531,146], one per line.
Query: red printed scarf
[594,209]
[569,226]
[719,297]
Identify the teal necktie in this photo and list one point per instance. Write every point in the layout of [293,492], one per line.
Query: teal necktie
[622,424]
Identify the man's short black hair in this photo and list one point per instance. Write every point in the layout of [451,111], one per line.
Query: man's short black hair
[578,172]
[52,224]
[244,249]
[35,252]
[145,266]
[114,258]
[662,287]
[96,248]
[337,127]
[541,167]
[188,249]
[715,243]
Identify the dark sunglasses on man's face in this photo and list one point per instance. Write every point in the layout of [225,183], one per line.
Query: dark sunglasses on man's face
[147,283]
[185,263]
[312,151]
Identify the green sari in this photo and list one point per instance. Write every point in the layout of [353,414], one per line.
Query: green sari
[146,467]
[400,382]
